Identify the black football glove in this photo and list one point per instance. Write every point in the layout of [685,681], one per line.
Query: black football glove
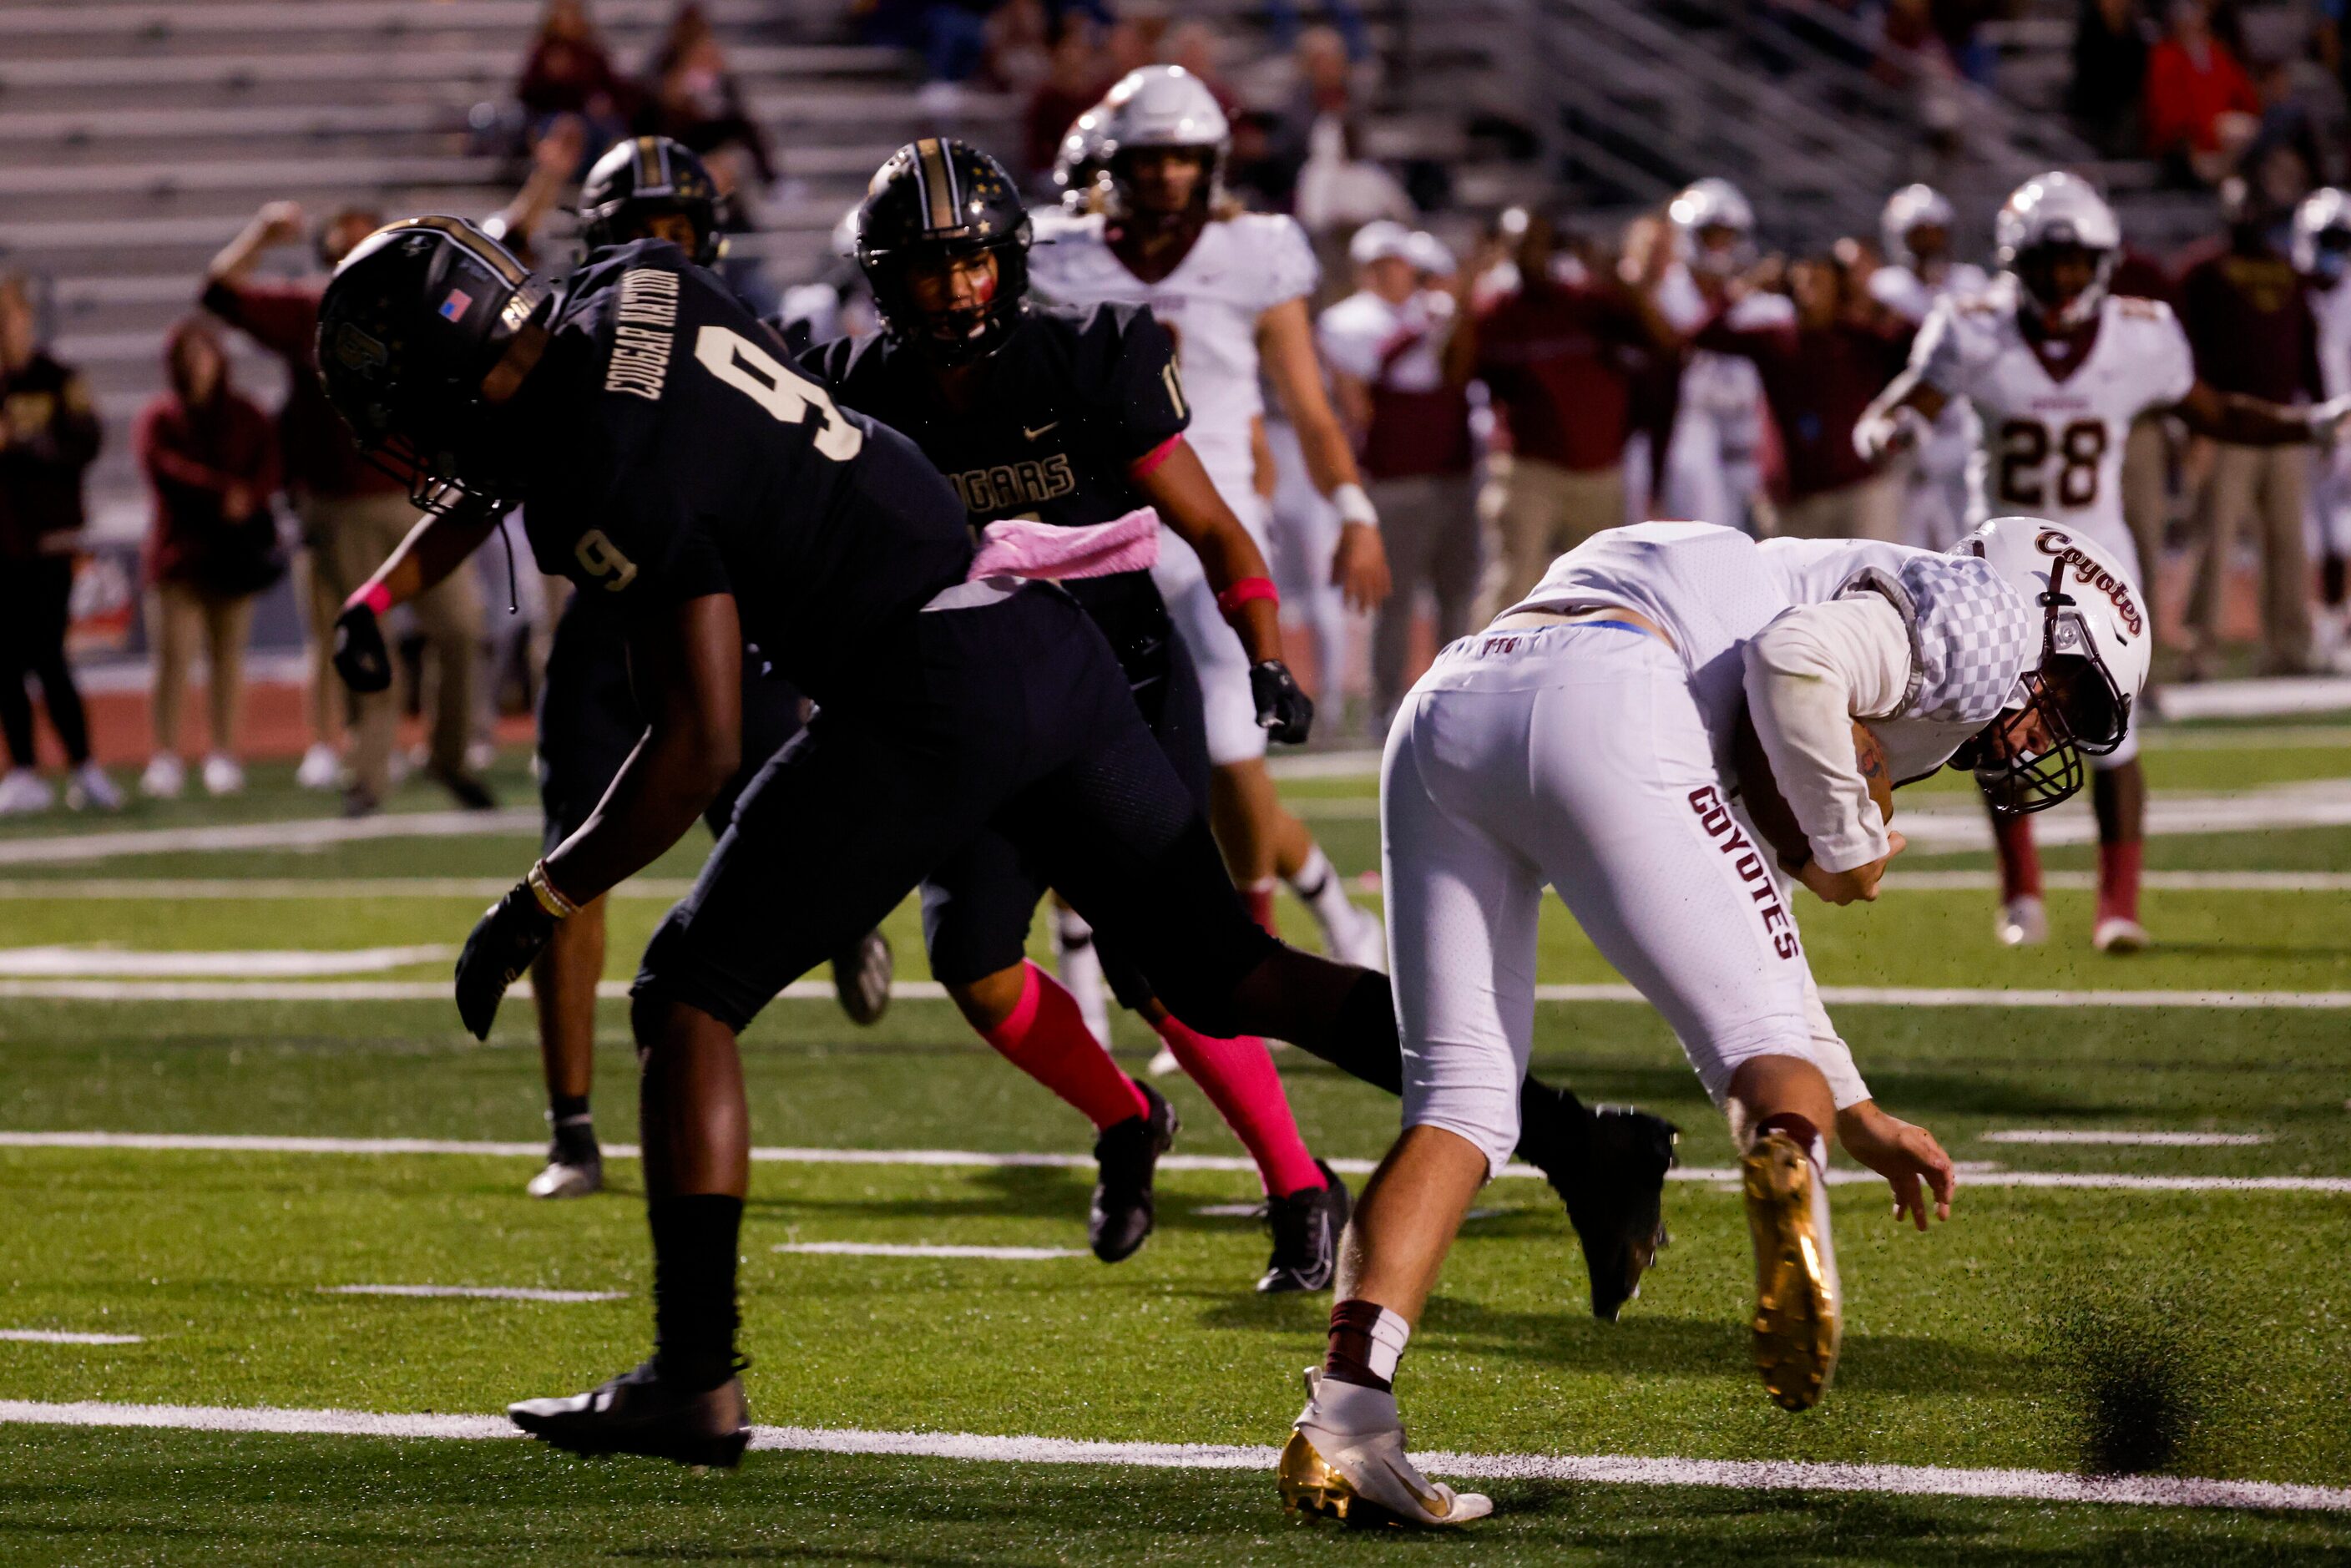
[360,657]
[503,944]
[1283,711]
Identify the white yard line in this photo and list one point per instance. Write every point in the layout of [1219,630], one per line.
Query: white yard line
[61,1336]
[2140,1139]
[1766,1475]
[305,833]
[911,1249]
[345,889]
[226,964]
[476,1292]
[1841,1175]
[127,990]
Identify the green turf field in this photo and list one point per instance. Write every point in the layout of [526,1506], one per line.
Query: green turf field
[1998,1344]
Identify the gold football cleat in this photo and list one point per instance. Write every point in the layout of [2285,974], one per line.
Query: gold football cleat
[1386,1489]
[1799,1308]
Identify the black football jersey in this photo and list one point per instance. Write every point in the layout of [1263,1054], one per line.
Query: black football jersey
[1058,417]
[675,455]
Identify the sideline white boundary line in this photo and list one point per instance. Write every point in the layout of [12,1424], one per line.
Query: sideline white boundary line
[1841,1176]
[917,1250]
[303,833]
[65,1336]
[110,990]
[1610,1469]
[475,1292]
[60,960]
[2140,1139]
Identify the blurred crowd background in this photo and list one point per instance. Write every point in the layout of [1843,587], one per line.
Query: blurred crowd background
[178,512]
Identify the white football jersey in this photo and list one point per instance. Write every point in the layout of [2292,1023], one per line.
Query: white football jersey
[2054,448]
[1238,269]
[1399,347]
[1952,440]
[2331,307]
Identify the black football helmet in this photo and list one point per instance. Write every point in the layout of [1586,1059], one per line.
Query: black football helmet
[642,176]
[413,320]
[936,198]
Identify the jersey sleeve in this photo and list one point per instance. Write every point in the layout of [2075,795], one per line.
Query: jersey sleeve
[1939,353]
[1283,262]
[1809,676]
[1126,375]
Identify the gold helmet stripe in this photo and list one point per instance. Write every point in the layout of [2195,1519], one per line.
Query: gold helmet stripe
[652,166]
[936,174]
[479,246]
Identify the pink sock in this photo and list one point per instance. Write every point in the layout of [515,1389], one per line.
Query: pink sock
[1046,1037]
[2118,870]
[1238,1076]
[2020,861]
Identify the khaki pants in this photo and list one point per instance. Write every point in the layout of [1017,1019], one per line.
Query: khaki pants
[314,591]
[1865,509]
[354,535]
[2263,486]
[1540,512]
[181,615]
[2146,505]
[1429,526]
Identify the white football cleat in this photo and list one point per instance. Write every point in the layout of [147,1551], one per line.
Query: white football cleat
[2023,921]
[1351,934]
[2118,934]
[223,776]
[1364,1477]
[165,777]
[90,787]
[23,790]
[1164,1062]
[564,1179]
[1799,1305]
[320,768]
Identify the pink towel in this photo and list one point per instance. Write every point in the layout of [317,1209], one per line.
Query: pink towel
[1022,547]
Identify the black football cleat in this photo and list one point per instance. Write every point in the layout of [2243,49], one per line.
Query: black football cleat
[861,972]
[1306,1226]
[1609,1166]
[1126,1154]
[639,1413]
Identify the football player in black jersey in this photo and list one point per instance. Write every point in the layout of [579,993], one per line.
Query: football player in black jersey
[670,460]
[1073,417]
[645,187]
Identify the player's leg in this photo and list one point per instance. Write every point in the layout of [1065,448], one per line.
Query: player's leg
[563,981]
[172,628]
[450,615]
[324,698]
[2118,796]
[977,907]
[2286,562]
[1408,529]
[2022,920]
[2220,507]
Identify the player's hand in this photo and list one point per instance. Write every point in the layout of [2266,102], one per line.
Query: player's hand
[280,223]
[1858,885]
[503,944]
[360,657]
[1283,711]
[2326,419]
[1359,568]
[1883,433]
[1906,1155]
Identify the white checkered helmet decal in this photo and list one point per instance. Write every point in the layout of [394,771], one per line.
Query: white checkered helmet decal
[2107,621]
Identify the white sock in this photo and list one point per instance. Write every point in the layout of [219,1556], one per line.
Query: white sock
[1318,887]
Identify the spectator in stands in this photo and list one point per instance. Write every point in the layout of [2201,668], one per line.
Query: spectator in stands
[1339,189]
[50,436]
[2109,74]
[211,458]
[2200,108]
[1077,73]
[690,95]
[2249,320]
[1404,400]
[950,35]
[1286,19]
[568,72]
[1562,361]
[1820,371]
[1324,88]
[352,514]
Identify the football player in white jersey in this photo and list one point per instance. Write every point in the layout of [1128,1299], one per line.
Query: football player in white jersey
[2057,368]
[1713,457]
[1590,739]
[1232,286]
[1915,239]
[2322,253]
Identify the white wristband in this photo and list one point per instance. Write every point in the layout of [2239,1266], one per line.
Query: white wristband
[1355,505]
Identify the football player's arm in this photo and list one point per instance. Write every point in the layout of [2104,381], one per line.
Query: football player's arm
[276,224]
[1286,345]
[2243,421]
[686,665]
[1809,676]
[1894,415]
[434,547]
[1178,487]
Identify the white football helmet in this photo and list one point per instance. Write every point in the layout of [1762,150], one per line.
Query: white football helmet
[2321,235]
[1166,106]
[2051,210]
[2097,642]
[1714,203]
[1378,240]
[1429,254]
[1078,166]
[1912,206]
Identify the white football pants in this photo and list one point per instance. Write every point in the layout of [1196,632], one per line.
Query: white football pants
[1574,755]
[1216,648]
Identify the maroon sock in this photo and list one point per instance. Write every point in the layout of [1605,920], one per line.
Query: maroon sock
[1366,1341]
[2118,878]
[2020,861]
